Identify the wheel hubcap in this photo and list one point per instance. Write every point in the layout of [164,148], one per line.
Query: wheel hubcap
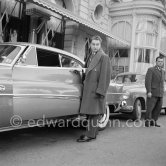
[139,109]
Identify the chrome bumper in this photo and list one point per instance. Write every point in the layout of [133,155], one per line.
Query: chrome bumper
[123,107]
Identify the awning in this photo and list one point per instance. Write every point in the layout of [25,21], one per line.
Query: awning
[66,13]
[36,12]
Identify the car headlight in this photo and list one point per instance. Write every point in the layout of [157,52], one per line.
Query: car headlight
[123,103]
[125,96]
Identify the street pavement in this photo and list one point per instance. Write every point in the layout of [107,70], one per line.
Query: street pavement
[122,143]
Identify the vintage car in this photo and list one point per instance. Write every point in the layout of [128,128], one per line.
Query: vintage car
[38,81]
[129,94]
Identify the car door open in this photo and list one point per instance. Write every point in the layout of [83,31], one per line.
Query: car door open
[45,89]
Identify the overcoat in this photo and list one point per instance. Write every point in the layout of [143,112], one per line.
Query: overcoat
[97,79]
[154,81]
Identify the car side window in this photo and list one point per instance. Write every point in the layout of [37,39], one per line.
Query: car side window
[119,80]
[69,62]
[140,78]
[47,58]
[28,57]
[127,79]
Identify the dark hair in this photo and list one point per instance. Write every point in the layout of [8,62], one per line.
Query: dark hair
[159,57]
[96,38]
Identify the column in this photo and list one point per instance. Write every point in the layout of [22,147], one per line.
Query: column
[132,52]
[159,37]
[70,33]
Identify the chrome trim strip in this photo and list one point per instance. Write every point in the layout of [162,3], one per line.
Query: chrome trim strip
[6,94]
[10,128]
[48,96]
[45,67]
[4,64]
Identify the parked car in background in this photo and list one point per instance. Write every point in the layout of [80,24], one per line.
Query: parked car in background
[37,81]
[129,94]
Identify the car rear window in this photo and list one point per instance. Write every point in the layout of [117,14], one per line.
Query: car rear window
[8,53]
[130,78]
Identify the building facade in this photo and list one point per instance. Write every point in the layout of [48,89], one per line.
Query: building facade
[142,23]
[133,31]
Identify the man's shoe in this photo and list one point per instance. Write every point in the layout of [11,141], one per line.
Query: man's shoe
[152,123]
[84,138]
[147,124]
[157,125]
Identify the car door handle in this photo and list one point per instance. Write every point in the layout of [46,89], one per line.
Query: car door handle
[75,71]
[2,88]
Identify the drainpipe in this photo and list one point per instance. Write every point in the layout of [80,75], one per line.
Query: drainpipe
[132,52]
[159,37]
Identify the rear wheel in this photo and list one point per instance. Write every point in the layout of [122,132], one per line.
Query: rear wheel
[104,119]
[137,111]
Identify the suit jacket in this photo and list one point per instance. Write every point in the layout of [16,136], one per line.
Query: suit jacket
[97,79]
[154,81]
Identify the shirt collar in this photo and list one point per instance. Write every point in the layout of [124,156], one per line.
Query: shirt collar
[159,68]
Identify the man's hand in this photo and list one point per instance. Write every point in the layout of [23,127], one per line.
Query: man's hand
[149,95]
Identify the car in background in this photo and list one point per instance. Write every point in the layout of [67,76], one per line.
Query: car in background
[129,94]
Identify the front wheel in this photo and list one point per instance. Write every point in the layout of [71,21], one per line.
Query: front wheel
[104,119]
[137,111]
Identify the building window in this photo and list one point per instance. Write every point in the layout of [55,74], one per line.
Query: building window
[144,55]
[98,12]
[123,30]
[122,53]
[163,56]
[163,38]
[146,33]
[147,56]
[87,49]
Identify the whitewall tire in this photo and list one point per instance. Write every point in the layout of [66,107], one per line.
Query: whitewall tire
[104,119]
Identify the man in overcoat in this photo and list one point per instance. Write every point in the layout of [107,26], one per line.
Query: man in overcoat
[97,79]
[154,83]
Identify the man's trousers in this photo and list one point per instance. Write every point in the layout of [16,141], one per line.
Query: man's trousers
[153,108]
[92,126]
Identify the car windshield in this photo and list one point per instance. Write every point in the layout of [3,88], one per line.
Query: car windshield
[140,78]
[8,53]
[131,78]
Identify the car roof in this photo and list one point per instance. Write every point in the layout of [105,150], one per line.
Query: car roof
[130,73]
[45,47]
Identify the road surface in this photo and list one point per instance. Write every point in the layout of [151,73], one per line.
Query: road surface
[127,144]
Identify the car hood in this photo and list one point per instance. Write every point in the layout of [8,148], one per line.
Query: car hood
[134,87]
[121,88]
[115,88]
[114,92]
